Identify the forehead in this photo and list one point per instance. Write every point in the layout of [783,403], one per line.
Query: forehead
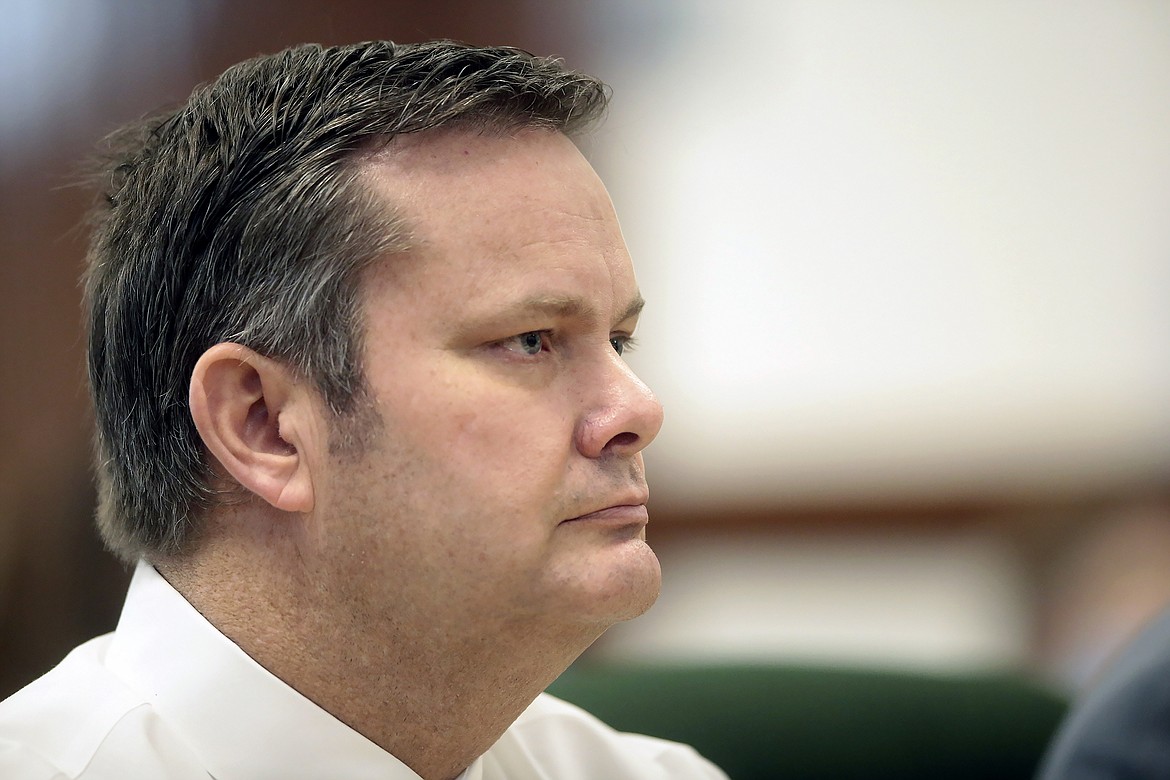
[498,215]
[442,176]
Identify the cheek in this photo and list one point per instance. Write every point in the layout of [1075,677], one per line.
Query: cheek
[518,431]
[510,454]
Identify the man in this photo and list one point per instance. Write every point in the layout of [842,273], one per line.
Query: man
[357,320]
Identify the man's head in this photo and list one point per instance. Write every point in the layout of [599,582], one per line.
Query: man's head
[506,484]
[248,216]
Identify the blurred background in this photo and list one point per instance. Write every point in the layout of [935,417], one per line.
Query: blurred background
[908,266]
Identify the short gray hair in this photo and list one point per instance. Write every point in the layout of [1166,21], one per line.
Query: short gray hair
[242,216]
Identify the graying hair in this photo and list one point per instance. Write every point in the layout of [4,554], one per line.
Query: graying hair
[242,216]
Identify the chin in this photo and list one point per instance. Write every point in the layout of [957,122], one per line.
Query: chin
[623,589]
[637,606]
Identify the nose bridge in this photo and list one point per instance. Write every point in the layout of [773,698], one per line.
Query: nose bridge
[621,415]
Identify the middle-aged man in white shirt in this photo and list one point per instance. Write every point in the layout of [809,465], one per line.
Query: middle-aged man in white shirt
[357,318]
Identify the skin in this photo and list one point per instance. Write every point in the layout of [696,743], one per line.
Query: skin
[425,589]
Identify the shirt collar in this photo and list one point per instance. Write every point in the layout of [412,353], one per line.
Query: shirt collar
[241,720]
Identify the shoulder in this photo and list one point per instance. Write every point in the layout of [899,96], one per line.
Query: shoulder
[79,721]
[555,739]
[52,727]
[1119,726]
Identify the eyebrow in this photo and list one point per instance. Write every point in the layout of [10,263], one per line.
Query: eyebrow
[634,309]
[566,306]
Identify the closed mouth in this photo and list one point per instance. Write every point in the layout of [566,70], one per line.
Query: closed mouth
[618,514]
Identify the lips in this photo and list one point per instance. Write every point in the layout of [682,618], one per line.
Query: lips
[627,511]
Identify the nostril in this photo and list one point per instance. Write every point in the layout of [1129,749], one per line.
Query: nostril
[623,439]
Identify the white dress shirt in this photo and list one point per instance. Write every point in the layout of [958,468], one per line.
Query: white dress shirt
[168,696]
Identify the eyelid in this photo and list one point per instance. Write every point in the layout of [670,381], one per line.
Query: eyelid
[628,342]
[546,338]
[511,344]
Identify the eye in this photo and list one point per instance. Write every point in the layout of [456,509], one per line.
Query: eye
[531,343]
[621,344]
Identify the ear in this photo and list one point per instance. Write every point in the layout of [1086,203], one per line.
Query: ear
[257,421]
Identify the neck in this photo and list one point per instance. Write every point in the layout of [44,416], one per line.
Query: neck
[435,696]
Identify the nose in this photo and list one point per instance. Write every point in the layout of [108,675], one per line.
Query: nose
[623,415]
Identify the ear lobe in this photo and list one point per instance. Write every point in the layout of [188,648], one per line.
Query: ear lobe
[255,419]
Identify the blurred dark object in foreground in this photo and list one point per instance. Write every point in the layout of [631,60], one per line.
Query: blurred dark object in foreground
[759,722]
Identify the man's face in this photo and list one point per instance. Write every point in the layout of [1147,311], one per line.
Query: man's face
[507,482]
